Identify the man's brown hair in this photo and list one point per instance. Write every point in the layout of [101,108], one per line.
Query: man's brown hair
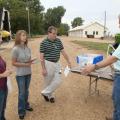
[51,28]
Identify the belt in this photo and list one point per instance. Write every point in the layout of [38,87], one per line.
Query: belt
[52,61]
[117,71]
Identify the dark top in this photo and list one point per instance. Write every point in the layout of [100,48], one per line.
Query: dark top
[51,49]
[3,81]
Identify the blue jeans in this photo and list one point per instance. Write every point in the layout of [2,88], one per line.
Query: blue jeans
[3,99]
[116,97]
[23,83]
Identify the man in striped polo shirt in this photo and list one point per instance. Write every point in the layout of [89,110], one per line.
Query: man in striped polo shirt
[50,49]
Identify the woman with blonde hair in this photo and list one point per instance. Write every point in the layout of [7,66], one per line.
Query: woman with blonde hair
[21,59]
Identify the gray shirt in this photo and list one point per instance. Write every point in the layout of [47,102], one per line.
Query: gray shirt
[22,54]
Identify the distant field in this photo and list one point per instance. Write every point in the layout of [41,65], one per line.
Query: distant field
[92,45]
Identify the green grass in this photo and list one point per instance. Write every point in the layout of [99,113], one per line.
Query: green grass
[92,45]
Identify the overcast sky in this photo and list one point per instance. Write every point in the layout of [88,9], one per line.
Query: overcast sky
[89,10]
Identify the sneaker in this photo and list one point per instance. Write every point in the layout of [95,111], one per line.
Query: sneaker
[29,109]
[46,98]
[21,117]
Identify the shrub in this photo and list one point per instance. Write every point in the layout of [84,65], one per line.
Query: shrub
[117,38]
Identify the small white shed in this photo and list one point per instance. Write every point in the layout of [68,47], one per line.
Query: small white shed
[92,30]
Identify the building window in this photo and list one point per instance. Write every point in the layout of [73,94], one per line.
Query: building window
[93,32]
[85,32]
[96,32]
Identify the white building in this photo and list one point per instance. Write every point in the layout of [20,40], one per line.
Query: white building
[93,30]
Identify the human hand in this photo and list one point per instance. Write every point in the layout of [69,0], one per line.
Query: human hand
[69,65]
[88,69]
[28,64]
[7,73]
[32,60]
[44,72]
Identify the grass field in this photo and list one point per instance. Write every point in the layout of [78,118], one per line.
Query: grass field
[92,45]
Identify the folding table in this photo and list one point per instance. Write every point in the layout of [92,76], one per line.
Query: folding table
[101,74]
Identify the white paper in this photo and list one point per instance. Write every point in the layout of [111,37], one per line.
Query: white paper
[35,61]
[66,71]
[9,84]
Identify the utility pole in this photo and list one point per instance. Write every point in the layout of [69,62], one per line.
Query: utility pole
[104,24]
[28,16]
[119,20]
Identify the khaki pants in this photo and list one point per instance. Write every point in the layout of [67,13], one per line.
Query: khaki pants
[53,78]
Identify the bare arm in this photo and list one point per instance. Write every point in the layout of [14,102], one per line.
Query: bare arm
[5,74]
[42,60]
[108,61]
[44,72]
[18,64]
[66,57]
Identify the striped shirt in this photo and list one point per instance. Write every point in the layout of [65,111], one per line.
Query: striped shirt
[51,49]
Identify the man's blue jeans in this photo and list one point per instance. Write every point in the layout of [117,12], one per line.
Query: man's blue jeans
[23,86]
[3,99]
[116,97]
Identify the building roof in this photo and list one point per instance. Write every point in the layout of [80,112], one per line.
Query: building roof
[82,27]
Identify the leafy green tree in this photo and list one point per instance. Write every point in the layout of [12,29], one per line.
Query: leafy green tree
[63,29]
[53,16]
[78,21]
[19,14]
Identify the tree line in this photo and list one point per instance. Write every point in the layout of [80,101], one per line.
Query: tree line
[39,20]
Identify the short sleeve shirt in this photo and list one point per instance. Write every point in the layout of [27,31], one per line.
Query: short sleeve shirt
[117,55]
[22,55]
[3,81]
[51,49]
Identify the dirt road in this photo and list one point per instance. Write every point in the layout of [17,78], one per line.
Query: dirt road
[70,97]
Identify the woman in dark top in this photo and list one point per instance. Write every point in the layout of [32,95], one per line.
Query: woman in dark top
[3,87]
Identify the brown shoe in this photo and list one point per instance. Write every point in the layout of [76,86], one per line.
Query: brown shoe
[108,118]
